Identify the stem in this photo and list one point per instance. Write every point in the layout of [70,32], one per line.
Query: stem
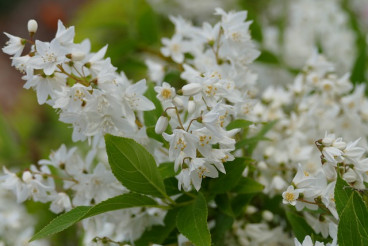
[56,177]
[190,123]
[177,115]
[83,82]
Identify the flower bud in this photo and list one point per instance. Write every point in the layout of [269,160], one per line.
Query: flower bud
[339,145]
[191,89]
[178,102]
[78,56]
[267,215]
[327,141]
[350,176]
[161,124]
[27,176]
[191,107]
[32,26]
[250,209]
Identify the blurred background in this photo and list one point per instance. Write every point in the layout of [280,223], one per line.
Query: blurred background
[285,31]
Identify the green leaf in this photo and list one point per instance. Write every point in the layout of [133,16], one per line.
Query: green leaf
[300,227]
[134,166]
[248,186]
[66,220]
[157,234]
[226,182]
[238,124]
[151,117]
[239,202]
[223,224]
[166,170]
[192,222]
[171,186]
[224,204]
[353,214]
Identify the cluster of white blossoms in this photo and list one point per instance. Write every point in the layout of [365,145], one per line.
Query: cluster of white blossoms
[310,23]
[317,101]
[214,61]
[82,86]
[316,190]
[16,225]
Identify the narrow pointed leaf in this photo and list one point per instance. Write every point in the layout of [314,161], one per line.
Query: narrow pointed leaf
[66,220]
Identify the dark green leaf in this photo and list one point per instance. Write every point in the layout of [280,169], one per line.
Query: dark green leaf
[353,214]
[157,234]
[223,224]
[192,222]
[151,117]
[224,204]
[239,202]
[134,166]
[247,185]
[66,220]
[226,182]
[300,227]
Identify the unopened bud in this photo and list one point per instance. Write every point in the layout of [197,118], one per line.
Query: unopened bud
[191,89]
[161,124]
[339,144]
[27,176]
[327,141]
[191,107]
[32,26]
[178,102]
[350,176]
[78,56]
[267,215]
[250,209]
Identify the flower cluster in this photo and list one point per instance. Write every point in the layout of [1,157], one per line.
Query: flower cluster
[82,86]
[217,77]
[317,101]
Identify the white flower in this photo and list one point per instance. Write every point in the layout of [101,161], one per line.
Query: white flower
[174,47]
[191,89]
[48,56]
[14,46]
[165,92]
[308,242]
[290,196]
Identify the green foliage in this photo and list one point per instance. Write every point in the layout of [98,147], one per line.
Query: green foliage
[134,166]
[353,215]
[248,186]
[157,234]
[66,220]
[128,26]
[300,227]
[192,222]
[223,224]
[240,123]
[151,117]
[226,182]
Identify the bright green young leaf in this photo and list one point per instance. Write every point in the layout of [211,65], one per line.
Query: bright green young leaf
[353,214]
[300,227]
[247,186]
[192,222]
[240,123]
[157,234]
[228,181]
[134,166]
[66,220]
